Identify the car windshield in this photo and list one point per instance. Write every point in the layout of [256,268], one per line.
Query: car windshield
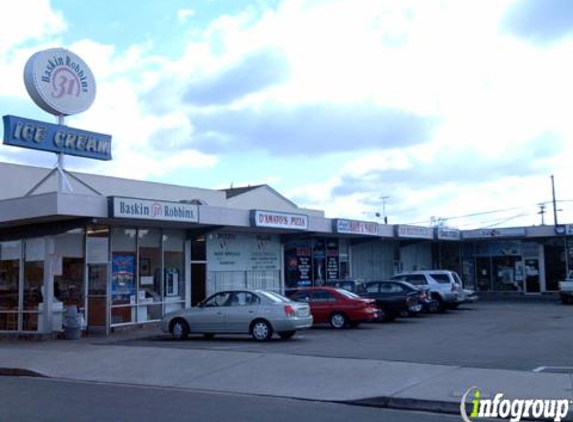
[347,294]
[275,297]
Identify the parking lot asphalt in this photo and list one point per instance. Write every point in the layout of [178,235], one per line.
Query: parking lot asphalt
[515,336]
[376,365]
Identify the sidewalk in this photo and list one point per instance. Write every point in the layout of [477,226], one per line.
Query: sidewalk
[360,381]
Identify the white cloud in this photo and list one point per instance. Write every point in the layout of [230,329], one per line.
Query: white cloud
[183,15]
[499,105]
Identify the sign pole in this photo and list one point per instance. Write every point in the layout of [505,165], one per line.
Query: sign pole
[63,183]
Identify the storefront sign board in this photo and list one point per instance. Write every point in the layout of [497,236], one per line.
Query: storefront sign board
[448,234]
[343,226]
[144,209]
[503,232]
[416,232]
[279,220]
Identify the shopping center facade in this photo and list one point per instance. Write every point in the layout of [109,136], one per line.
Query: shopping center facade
[125,252]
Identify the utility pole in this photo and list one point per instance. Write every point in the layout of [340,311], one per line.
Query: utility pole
[554,201]
[542,213]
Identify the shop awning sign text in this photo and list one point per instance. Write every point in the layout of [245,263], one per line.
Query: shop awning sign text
[145,209]
[343,226]
[279,220]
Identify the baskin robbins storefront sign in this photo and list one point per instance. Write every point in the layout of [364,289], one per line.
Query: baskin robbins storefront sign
[144,209]
[62,84]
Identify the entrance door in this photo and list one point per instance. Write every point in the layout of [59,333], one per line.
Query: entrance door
[532,276]
[97,298]
[483,274]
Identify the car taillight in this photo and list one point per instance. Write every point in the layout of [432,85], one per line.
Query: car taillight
[289,311]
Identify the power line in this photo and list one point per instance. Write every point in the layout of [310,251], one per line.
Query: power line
[477,214]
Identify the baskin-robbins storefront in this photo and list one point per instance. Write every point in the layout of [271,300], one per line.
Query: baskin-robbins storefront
[120,252]
[122,260]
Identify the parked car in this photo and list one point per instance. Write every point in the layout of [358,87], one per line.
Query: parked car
[392,300]
[445,286]
[338,307]
[400,297]
[470,296]
[566,289]
[256,312]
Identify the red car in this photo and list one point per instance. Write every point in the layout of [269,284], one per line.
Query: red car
[337,306]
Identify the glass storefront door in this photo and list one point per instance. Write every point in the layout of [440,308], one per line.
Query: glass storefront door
[97,297]
[532,284]
[97,275]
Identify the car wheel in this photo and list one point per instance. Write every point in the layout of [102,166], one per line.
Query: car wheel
[433,306]
[261,330]
[441,304]
[285,335]
[179,329]
[338,320]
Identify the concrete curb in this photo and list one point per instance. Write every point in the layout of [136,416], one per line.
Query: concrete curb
[20,372]
[434,406]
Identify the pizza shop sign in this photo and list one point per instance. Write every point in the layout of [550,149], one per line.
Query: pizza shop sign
[279,220]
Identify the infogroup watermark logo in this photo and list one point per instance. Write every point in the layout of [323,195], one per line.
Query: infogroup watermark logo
[513,409]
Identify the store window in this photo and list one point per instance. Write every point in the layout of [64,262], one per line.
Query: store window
[9,284]
[69,269]
[123,297]
[33,283]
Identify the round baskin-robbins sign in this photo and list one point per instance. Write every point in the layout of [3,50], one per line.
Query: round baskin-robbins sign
[59,82]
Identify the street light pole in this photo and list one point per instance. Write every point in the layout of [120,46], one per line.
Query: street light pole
[384,198]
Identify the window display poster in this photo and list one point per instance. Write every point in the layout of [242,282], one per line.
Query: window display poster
[298,265]
[228,251]
[123,277]
[264,253]
[332,272]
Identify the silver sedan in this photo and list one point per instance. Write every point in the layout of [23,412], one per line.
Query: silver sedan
[257,312]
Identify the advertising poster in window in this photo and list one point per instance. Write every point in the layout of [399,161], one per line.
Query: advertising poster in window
[264,253]
[332,272]
[243,252]
[298,264]
[225,252]
[123,278]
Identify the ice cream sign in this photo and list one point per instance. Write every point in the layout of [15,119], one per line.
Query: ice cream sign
[62,84]
[59,82]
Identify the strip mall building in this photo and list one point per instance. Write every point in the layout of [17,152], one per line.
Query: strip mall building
[126,252]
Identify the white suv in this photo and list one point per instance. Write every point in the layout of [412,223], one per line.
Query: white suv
[445,286]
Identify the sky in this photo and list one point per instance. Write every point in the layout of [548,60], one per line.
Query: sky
[451,112]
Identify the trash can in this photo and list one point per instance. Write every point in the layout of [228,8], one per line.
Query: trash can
[72,323]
